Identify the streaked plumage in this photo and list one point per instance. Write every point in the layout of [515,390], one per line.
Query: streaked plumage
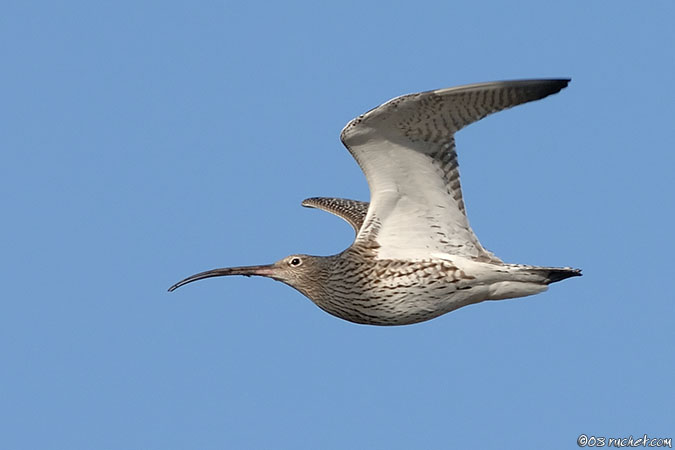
[414,257]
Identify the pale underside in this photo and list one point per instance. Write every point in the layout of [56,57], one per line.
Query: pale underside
[406,149]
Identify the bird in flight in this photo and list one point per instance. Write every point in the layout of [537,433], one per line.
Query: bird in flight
[414,257]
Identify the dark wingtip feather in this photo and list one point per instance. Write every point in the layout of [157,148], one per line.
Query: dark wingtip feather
[557,85]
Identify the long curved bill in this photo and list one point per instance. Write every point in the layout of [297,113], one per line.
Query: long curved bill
[248,271]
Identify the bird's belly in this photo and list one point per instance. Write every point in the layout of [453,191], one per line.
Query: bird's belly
[403,303]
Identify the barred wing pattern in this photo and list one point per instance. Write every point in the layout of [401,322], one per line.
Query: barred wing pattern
[352,211]
[406,149]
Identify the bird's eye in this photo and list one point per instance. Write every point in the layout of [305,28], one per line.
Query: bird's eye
[295,262]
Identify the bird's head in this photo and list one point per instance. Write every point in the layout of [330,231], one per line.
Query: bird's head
[301,272]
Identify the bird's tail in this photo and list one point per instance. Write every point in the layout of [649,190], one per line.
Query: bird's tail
[548,275]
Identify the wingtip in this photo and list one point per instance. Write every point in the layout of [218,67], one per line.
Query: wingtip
[550,85]
[563,82]
[545,87]
[308,202]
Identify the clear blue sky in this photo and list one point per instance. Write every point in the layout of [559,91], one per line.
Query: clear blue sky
[146,141]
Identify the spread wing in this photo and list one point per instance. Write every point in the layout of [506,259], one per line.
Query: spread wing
[353,211]
[406,149]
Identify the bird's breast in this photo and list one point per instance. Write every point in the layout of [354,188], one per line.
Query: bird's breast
[396,292]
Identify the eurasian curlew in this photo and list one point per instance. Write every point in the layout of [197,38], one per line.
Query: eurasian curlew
[415,257]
